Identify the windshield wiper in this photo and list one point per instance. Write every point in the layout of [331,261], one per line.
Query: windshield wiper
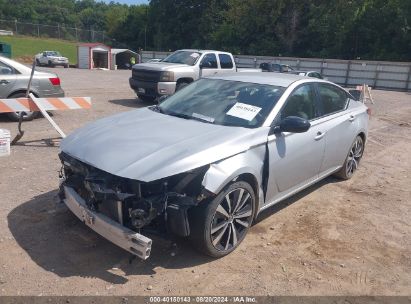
[156,108]
[186,116]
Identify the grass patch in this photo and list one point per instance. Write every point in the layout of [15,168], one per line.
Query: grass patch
[24,48]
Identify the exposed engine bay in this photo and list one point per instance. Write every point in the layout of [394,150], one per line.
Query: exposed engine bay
[159,206]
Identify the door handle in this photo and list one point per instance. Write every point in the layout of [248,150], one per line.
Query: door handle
[352,118]
[3,81]
[319,135]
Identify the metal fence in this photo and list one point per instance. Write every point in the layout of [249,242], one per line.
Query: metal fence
[348,73]
[59,31]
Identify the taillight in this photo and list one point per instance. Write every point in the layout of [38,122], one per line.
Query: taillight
[369,111]
[55,81]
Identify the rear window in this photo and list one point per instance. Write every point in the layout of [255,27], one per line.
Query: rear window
[332,98]
[225,61]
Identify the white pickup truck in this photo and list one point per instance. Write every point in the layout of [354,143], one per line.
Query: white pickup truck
[154,79]
[51,59]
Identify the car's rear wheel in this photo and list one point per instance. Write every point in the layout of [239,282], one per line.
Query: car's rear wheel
[353,159]
[27,115]
[50,64]
[219,226]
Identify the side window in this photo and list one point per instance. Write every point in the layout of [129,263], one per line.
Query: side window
[209,61]
[285,68]
[225,61]
[5,69]
[332,99]
[316,75]
[276,68]
[301,103]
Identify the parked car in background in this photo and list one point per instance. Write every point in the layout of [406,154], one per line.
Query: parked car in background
[14,79]
[154,79]
[207,160]
[314,74]
[51,59]
[275,67]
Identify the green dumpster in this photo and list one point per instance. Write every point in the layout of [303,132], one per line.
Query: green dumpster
[5,50]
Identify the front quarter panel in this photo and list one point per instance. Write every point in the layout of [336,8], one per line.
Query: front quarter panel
[221,173]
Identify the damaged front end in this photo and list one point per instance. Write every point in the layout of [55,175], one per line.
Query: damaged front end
[120,209]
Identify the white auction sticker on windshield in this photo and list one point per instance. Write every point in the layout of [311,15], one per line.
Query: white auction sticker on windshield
[195,55]
[244,111]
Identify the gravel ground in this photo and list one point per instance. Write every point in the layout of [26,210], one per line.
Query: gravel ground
[335,238]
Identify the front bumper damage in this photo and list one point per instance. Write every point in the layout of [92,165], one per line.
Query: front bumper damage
[121,209]
[123,237]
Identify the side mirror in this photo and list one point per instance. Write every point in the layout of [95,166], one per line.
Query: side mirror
[292,124]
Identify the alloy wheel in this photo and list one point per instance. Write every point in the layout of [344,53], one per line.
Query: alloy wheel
[354,156]
[231,220]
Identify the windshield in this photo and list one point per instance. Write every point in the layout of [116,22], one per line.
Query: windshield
[56,54]
[184,57]
[223,102]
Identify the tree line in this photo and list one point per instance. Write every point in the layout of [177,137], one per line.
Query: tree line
[346,29]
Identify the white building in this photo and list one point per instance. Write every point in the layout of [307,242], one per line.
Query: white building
[93,56]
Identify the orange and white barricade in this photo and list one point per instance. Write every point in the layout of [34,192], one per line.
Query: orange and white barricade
[43,105]
[48,104]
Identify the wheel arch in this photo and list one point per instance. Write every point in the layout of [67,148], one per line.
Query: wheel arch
[247,167]
[185,80]
[250,179]
[22,91]
[363,136]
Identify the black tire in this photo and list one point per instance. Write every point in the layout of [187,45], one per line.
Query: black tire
[230,229]
[50,64]
[146,98]
[66,66]
[27,116]
[181,85]
[352,160]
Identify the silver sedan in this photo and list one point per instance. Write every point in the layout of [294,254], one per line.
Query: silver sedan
[206,161]
[14,79]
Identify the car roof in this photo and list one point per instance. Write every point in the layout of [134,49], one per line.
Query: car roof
[277,79]
[202,51]
[16,65]
[299,71]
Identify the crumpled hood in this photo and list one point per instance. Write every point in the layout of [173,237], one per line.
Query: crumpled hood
[145,145]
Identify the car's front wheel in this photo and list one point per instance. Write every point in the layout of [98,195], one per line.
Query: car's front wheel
[353,159]
[219,226]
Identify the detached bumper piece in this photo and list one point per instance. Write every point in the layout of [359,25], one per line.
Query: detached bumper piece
[121,236]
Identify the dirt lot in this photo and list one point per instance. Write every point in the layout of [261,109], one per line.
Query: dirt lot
[336,238]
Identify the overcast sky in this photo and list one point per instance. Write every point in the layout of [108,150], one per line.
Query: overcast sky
[129,1]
